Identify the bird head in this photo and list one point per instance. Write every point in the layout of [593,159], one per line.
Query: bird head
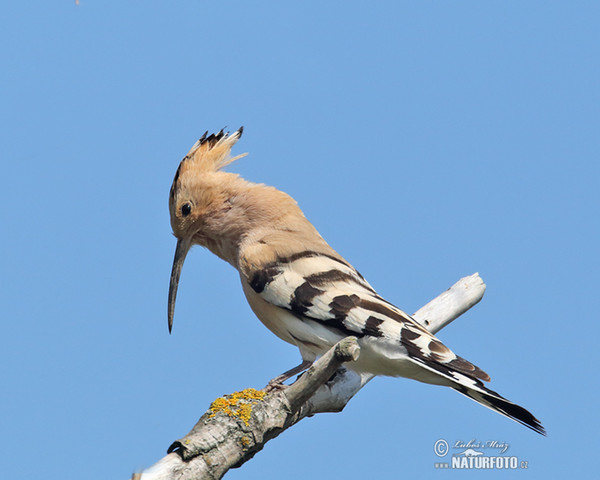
[200,202]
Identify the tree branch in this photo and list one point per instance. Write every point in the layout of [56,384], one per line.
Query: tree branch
[237,426]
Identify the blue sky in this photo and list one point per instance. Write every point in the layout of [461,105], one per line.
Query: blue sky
[425,140]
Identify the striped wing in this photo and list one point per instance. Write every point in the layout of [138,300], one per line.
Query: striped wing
[329,290]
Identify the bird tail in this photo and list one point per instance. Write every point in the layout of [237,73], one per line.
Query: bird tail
[494,401]
[468,382]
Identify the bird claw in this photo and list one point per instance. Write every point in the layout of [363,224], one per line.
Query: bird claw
[277,382]
[275,385]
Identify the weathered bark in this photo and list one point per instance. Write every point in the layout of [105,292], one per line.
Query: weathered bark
[238,425]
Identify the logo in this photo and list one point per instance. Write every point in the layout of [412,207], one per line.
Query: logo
[476,455]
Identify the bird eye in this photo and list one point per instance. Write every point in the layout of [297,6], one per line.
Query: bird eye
[186,209]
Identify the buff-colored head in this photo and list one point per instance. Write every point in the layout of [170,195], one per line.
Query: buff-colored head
[198,200]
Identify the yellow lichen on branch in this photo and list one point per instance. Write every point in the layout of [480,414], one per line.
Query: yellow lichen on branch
[238,404]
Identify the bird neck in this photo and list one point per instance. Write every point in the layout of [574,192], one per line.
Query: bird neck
[241,220]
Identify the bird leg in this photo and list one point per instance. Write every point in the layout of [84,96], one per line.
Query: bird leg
[277,382]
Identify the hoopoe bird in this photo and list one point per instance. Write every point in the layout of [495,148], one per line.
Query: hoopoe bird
[300,287]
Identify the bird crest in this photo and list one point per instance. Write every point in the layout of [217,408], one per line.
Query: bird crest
[209,154]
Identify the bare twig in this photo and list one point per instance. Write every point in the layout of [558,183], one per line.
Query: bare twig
[238,425]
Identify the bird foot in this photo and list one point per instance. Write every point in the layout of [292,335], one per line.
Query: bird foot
[277,382]
[275,385]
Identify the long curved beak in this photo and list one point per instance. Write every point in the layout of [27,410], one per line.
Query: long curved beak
[183,246]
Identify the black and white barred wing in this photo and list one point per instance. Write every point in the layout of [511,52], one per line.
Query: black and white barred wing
[326,289]
[320,288]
